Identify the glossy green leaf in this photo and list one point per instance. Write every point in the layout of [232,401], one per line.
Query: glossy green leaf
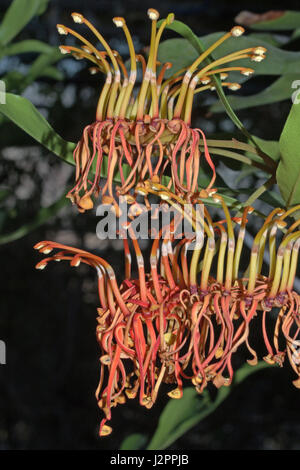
[134,442]
[40,218]
[24,114]
[272,39]
[279,90]
[18,14]
[179,416]
[270,147]
[288,20]
[288,172]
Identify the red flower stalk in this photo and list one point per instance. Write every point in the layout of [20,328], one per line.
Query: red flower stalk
[181,321]
[145,133]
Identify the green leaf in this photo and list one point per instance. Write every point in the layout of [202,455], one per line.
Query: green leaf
[272,39]
[134,442]
[28,45]
[24,114]
[288,20]
[39,219]
[270,147]
[17,16]
[179,416]
[279,90]
[288,172]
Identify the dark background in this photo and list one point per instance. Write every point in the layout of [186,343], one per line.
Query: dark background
[47,318]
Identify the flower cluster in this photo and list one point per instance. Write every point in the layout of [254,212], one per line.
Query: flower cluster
[179,321]
[143,130]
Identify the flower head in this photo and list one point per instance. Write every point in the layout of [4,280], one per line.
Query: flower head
[184,317]
[144,130]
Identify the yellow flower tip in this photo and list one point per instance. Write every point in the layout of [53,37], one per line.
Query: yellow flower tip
[259,50]
[86,49]
[61,29]
[219,353]
[280,223]
[223,75]
[46,250]
[247,72]
[119,22]
[64,49]
[155,179]
[164,195]
[86,203]
[155,186]
[237,31]
[75,262]
[168,65]
[170,18]
[121,399]
[205,80]
[77,17]
[169,338]
[153,14]
[130,393]
[219,381]
[146,400]
[234,86]
[257,57]
[107,200]
[105,431]
[141,190]
[211,191]
[250,209]
[105,359]
[93,70]
[268,359]
[217,198]
[77,56]
[296,383]
[252,362]
[129,198]
[176,393]
[38,246]
[203,194]
[41,265]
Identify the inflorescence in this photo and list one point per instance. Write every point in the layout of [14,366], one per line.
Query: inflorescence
[179,320]
[143,130]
